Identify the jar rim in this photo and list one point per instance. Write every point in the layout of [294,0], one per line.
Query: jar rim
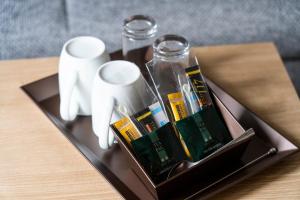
[167,52]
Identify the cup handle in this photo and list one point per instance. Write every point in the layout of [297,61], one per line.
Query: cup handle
[102,109]
[68,106]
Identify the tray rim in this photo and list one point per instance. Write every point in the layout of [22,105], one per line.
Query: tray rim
[113,180]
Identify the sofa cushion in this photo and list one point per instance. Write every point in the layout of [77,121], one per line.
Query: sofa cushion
[35,28]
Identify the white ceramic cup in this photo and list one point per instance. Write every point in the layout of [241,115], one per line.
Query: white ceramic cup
[116,83]
[79,60]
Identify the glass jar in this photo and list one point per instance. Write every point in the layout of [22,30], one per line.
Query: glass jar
[170,58]
[139,32]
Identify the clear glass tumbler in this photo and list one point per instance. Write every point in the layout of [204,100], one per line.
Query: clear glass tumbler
[170,58]
[139,32]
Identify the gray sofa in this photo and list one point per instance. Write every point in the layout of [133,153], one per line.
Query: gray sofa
[36,28]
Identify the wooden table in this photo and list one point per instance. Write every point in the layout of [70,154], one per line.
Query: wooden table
[38,162]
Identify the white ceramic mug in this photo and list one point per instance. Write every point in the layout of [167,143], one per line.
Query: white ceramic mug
[80,58]
[116,83]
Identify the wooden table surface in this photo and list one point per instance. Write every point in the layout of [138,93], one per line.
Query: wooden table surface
[38,162]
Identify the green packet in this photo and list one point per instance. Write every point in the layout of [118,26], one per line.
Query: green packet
[159,151]
[203,132]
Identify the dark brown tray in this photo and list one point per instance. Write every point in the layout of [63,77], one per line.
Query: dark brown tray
[113,165]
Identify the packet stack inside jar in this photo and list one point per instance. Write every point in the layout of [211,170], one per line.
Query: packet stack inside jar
[143,121]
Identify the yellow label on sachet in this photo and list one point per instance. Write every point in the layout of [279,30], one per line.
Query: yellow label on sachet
[197,71]
[143,116]
[127,129]
[177,106]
